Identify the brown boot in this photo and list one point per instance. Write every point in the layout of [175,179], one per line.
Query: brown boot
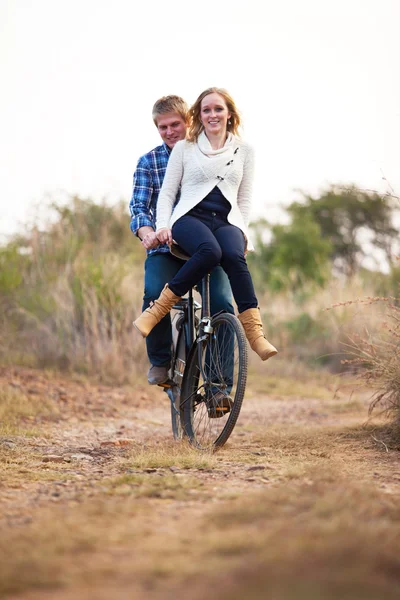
[153,315]
[252,325]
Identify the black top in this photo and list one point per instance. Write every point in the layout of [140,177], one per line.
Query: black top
[215,201]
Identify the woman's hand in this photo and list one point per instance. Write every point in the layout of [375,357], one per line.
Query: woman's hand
[164,236]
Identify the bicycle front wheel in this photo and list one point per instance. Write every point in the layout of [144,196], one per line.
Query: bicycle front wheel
[214,383]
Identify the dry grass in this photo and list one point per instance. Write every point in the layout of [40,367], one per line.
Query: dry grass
[154,485]
[91,338]
[16,405]
[325,536]
[308,335]
[114,534]
[375,356]
[50,551]
[288,453]
[22,418]
[323,385]
[295,510]
[70,291]
[21,464]
[19,413]
[170,454]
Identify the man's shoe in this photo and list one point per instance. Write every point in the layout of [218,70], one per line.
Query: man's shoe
[219,405]
[157,375]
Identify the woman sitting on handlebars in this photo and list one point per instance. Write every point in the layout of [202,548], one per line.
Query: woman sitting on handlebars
[213,169]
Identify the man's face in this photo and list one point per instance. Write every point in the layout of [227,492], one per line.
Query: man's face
[171,127]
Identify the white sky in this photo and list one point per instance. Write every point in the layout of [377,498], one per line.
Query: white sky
[317,83]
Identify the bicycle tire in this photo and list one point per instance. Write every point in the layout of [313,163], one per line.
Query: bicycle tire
[178,368]
[215,375]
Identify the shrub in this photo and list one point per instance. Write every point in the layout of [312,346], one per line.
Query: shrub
[69,293]
[376,358]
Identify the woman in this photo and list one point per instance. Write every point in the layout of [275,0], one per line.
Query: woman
[213,169]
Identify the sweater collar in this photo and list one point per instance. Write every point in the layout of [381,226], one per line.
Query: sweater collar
[205,146]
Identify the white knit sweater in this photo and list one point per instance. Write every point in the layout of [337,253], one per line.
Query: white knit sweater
[196,168]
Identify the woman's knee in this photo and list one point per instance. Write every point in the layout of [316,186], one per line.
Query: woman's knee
[211,254]
[232,256]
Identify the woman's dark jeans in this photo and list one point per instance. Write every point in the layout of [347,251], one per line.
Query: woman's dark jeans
[210,240]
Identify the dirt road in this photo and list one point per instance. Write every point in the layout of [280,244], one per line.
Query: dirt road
[98,502]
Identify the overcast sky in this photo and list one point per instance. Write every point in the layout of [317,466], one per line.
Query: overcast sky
[317,83]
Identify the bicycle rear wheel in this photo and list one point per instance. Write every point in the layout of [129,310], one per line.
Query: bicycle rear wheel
[214,383]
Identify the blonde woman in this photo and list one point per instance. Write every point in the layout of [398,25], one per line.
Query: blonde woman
[213,169]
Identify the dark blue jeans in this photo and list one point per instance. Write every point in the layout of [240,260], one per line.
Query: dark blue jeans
[210,240]
[160,269]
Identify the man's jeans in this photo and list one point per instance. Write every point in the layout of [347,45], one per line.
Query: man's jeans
[159,269]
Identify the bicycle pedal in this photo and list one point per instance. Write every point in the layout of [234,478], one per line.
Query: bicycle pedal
[216,412]
[166,384]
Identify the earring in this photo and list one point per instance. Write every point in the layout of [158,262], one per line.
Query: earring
[229,122]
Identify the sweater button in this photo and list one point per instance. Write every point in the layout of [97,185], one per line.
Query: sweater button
[214,214]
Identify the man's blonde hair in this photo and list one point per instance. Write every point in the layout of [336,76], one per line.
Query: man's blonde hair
[196,126]
[169,104]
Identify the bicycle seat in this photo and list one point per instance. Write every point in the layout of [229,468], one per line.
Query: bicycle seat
[177,251]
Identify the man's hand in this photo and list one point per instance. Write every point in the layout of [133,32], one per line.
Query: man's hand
[148,237]
[150,241]
[164,236]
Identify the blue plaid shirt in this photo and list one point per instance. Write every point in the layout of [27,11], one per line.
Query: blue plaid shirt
[147,182]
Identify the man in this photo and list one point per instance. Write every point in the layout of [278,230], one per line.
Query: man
[170,116]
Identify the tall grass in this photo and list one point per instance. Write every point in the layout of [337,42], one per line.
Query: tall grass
[306,331]
[69,293]
[70,290]
[376,357]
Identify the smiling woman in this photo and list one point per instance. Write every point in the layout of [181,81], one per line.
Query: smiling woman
[216,113]
[214,117]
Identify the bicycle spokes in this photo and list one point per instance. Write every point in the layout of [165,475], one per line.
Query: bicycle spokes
[214,383]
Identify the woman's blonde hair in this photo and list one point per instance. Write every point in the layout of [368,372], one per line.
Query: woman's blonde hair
[196,126]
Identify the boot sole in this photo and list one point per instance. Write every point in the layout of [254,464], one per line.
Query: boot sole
[270,355]
[137,329]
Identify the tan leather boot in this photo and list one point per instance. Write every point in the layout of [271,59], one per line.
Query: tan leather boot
[153,315]
[252,325]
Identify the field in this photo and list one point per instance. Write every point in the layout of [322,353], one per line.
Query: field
[97,501]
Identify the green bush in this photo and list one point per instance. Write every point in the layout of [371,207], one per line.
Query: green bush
[12,266]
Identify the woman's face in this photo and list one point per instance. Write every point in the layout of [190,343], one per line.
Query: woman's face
[214,114]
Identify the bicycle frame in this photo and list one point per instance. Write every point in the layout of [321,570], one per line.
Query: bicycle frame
[193,333]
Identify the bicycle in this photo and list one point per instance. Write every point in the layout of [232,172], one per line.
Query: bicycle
[208,371]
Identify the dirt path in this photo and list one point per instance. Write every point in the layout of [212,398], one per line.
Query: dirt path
[98,502]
